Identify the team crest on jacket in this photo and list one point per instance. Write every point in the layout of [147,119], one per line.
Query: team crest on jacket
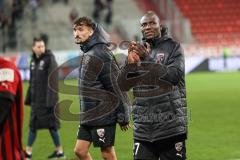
[160,57]
[41,64]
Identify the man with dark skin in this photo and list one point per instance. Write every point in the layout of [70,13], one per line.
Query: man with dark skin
[159,110]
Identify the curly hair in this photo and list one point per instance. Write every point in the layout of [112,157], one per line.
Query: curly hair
[84,21]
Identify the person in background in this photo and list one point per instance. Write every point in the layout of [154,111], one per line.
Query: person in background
[99,7]
[42,98]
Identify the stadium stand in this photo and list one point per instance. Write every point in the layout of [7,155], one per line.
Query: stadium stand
[208,26]
[213,21]
[53,20]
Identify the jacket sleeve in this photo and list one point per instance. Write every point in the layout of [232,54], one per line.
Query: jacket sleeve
[175,66]
[27,100]
[52,90]
[108,77]
[5,108]
[123,110]
[28,96]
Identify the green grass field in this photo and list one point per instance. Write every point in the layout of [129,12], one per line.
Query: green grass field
[214,123]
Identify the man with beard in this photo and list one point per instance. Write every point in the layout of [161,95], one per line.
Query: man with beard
[159,111]
[101,105]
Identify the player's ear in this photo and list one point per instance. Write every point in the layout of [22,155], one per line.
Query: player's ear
[91,31]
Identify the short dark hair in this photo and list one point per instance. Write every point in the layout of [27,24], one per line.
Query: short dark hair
[84,21]
[37,39]
[151,14]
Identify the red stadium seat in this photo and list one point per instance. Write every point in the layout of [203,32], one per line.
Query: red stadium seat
[213,21]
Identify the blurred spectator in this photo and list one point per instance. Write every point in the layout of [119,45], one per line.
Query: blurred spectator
[55,1]
[7,8]
[108,5]
[10,12]
[1,2]
[64,1]
[73,15]
[17,12]
[3,26]
[12,35]
[226,54]
[34,5]
[40,3]
[99,7]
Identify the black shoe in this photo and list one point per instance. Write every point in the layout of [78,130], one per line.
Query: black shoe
[27,156]
[56,155]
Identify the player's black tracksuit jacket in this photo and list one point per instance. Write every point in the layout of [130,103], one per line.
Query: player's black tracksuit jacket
[163,117]
[100,100]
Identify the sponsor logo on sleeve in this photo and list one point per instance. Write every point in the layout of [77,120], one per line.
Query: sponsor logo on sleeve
[6,74]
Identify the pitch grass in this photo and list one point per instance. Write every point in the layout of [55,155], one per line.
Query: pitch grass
[214,122]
